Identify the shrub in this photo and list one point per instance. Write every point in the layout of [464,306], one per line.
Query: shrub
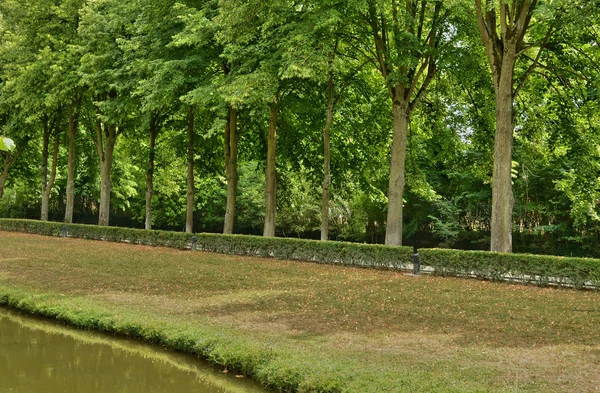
[343,253]
[524,268]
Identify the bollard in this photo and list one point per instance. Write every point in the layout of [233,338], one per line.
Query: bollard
[416,264]
[63,231]
[194,241]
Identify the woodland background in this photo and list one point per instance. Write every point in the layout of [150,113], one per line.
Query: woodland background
[165,114]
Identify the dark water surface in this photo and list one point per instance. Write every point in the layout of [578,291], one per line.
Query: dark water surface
[40,356]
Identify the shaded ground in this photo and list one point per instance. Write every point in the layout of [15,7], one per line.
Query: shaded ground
[380,330]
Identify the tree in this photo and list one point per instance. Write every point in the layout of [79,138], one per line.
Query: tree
[149,53]
[311,55]
[107,76]
[571,71]
[203,73]
[230,148]
[31,55]
[48,180]
[66,86]
[255,51]
[406,40]
[503,27]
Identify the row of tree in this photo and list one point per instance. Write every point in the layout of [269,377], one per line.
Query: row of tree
[364,95]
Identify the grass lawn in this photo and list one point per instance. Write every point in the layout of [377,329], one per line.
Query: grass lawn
[311,327]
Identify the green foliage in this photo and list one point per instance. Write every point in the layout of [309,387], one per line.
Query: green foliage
[251,198]
[524,268]
[129,62]
[19,201]
[349,254]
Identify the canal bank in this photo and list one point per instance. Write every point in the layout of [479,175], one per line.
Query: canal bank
[41,355]
[221,345]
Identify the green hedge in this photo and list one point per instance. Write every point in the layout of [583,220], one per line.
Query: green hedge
[537,269]
[353,254]
[113,234]
[524,268]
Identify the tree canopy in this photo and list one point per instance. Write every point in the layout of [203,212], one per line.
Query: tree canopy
[464,123]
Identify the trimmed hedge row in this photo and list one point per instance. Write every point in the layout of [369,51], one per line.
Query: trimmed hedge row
[524,268]
[343,253]
[93,232]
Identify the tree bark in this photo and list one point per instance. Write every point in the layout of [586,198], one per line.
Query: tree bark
[327,162]
[189,217]
[400,122]
[72,129]
[105,153]
[231,156]
[502,195]
[150,172]
[407,86]
[4,176]
[44,168]
[8,160]
[271,179]
[502,36]
[48,184]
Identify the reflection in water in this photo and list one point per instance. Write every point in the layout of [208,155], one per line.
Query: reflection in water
[37,356]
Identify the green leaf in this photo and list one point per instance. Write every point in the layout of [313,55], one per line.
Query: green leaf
[6,144]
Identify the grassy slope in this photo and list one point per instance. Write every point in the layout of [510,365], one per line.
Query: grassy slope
[312,327]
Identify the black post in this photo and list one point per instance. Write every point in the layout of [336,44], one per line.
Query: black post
[194,242]
[416,264]
[63,231]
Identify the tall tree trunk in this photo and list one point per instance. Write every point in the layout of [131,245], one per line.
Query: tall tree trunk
[44,168]
[400,122]
[4,177]
[189,217]
[406,83]
[105,153]
[72,129]
[502,35]
[502,195]
[231,156]
[150,172]
[327,162]
[271,180]
[48,184]
[8,160]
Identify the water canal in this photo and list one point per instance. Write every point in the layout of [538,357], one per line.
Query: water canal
[40,356]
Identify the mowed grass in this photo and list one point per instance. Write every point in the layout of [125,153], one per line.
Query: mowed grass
[311,327]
